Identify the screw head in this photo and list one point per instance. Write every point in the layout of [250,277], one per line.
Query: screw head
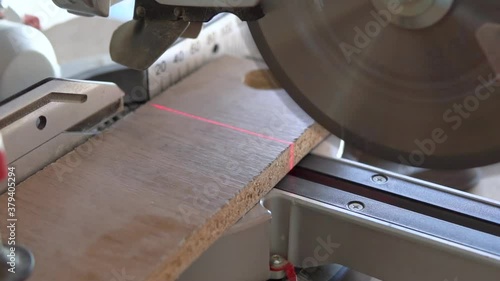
[356,206]
[380,179]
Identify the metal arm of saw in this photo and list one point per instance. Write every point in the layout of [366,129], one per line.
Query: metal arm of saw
[156,25]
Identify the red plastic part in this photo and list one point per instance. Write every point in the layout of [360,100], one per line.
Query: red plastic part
[289,269]
[290,272]
[33,21]
[3,166]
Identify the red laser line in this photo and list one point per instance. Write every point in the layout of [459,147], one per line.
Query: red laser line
[227,126]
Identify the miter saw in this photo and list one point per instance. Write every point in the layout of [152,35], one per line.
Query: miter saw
[411,81]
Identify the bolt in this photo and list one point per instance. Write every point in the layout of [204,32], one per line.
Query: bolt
[277,260]
[277,264]
[380,179]
[356,206]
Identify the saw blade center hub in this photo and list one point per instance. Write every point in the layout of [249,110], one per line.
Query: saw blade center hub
[414,14]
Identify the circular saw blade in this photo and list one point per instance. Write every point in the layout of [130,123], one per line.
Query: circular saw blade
[412,86]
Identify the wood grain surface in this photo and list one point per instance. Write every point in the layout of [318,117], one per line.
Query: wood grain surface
[146,198]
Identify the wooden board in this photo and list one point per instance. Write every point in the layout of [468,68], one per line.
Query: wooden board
[145,199]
